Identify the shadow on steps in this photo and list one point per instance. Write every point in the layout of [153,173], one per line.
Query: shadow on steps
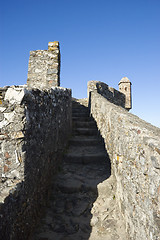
[68,215]
[86,164]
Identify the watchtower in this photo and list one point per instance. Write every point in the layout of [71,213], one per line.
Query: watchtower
[125,88]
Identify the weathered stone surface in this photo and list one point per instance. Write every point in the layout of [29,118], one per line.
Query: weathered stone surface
[1,116]
[44,67]
[131,144]
[33,133]
[109,93]
[15,94]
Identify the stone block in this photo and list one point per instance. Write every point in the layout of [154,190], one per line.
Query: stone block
[53,45]
[14,95]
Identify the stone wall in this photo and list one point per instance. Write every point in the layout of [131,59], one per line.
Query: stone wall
[44,67]
[109,93]
[134,149]
[34,129]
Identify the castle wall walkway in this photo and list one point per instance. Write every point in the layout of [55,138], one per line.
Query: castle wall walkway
[133,146]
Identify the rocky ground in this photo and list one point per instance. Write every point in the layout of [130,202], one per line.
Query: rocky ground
[82,205]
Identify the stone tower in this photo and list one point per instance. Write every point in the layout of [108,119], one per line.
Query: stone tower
[44,67]
[125,88]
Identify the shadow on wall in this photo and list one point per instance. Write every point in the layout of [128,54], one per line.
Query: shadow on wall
[45,119]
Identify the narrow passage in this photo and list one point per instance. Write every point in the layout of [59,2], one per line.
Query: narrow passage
[71,215]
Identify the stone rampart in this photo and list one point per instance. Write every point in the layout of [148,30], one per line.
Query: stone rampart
[134,149]
[34,129]
[109,93]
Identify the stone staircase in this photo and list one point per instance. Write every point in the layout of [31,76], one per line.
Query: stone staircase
[85,146]
[78,207]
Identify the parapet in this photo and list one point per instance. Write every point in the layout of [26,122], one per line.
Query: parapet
[109,93]
[44,67]
[120,98]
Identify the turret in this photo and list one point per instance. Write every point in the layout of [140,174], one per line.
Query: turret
[125,88]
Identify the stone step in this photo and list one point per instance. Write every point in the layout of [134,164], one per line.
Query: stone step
[69,185]
[82,119]
[85,141]
[84,124]
[87,158]
[77,110]
[86,155]
[79,107]
[74,184]
[79,104]
[85,131]
[80,114]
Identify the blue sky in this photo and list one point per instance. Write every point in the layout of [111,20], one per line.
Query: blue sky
[101,40]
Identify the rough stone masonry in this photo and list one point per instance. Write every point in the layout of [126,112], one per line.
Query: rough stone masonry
[34,129]
[133,146]
[44,67]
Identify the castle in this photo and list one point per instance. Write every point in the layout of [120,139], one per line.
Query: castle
[35,128]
